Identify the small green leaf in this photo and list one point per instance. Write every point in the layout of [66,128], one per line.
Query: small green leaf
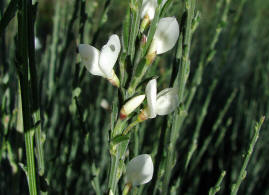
[119,139]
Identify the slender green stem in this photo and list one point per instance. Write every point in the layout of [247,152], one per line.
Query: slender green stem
[113,171]
[115,155]
[28,135]
[135,28]
[214,129]
[200,122]
[22,70]
[133,124]
[139,74]
[216,188]
[181,80]
[34,87]
[8,15]
[243,171]
[127,189]
[54,48]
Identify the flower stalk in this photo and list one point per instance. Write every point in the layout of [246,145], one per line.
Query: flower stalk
[22,63]
[127,189]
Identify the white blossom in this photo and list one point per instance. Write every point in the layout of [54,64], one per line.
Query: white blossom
[102,63]
[149,7]
[166,36]
[139,170]
[162,103]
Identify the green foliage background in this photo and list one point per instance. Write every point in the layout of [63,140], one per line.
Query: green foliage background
[229,78]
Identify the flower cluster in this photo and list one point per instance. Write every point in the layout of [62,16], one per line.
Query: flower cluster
[140,169]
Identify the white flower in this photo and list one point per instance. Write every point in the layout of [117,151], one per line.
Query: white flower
[149,7]
[162,104]
[166,36]
[139,170]
[102,63]
[131,105]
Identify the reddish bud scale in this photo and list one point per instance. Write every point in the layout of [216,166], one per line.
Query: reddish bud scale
[123,114]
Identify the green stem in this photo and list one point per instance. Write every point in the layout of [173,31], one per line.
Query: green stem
[113,171]
[127,189]
[115,157]
[133,124]
[22,70]
[140,72]
[135,28]
[35,92]
[199,123]
[182,77]
[53,48]
[216,188]
[214,129]
[28,136]
[243,171]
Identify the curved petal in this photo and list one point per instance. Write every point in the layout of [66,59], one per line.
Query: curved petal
[148,8]
[167,101]
[90,59]
[109,55]
[140,170]
[151,93]
[166,34]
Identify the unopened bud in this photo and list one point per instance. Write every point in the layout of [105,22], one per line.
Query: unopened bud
[131,105]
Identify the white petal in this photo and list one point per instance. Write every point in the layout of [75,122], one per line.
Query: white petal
[151,93]
[166,34]
[90,59]
[167,101]
[139,170]
[109,55]
[148,8]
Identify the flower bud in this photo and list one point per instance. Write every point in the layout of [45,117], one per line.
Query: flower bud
[131,105]
[139,170]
